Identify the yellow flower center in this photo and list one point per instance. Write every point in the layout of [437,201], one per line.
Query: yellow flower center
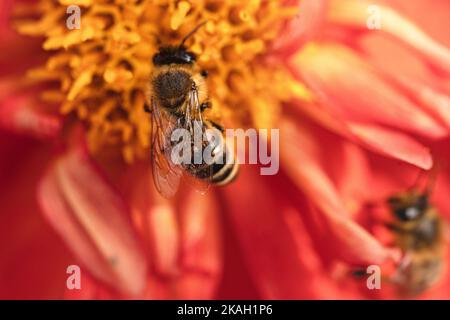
[103,68]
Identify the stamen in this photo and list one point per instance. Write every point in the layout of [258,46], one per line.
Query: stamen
[178,18]
[103,69]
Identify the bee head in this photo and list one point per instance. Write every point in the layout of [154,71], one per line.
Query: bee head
[177,55]
[409,206]
[173,55]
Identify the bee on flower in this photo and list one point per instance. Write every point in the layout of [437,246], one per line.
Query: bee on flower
[360,111]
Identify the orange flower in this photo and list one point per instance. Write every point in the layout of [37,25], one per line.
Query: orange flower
[358,110]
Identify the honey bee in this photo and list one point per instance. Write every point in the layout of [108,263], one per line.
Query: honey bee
[176,99]
[419,233]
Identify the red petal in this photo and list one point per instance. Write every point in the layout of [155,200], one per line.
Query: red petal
[6,8]
[91,218]
[33,259]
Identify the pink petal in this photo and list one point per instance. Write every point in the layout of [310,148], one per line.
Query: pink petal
[392,144]
[275,244]
[201,254]
[155,218]
[354,13]
[200,232]
[349,172]
[90,290]
[199,259]
[431,100]
[350,241]
[92,219]
[408,74]
[182,236]
[321,284]
[302,27]
[398,146]
[19,115]
[360,95]
[163,227]
[433,22]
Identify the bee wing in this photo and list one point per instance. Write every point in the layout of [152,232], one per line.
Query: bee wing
[193,122]
[166,175]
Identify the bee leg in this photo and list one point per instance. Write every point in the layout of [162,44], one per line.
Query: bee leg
[217,126]
[204,73]
[405,261]
[398,277]
[205,105]
[394,228]
[358,273]
[147,109]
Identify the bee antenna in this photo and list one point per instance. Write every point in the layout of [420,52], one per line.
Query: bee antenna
[417,181]
[155,37]
[433,176]
[191,33]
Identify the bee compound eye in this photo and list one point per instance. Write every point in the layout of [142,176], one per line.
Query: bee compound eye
[191,56]
[185,57]
[412,213]
[408,214]
[393,202]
